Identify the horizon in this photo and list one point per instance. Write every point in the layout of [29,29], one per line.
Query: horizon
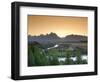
[61,25]
[57,35]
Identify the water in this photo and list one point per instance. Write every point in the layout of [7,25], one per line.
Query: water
[61,59]
[84,57]
[55,46]
[74,58]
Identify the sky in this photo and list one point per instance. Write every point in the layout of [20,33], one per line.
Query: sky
[61,25]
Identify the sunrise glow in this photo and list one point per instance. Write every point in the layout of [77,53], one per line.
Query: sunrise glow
[61,25]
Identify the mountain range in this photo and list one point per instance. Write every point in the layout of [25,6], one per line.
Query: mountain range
[53,37]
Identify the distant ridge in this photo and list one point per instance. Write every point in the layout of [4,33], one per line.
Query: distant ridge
[76,38]
[53,37]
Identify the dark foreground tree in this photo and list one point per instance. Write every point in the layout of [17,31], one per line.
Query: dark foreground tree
[31,59]
[36,57]
[84,61]
[54,61]
[78,55]
[68,60]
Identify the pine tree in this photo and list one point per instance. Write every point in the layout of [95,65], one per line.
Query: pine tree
[68,60]
[31,59]
[78,55]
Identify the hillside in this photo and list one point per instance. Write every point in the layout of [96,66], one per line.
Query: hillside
[54,38]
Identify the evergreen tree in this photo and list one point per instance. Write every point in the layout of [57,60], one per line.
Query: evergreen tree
[68,60]
[84,61]
[31,59]
[78,55]
[36,57]
[54,61]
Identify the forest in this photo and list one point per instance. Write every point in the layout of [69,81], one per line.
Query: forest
[58,54]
